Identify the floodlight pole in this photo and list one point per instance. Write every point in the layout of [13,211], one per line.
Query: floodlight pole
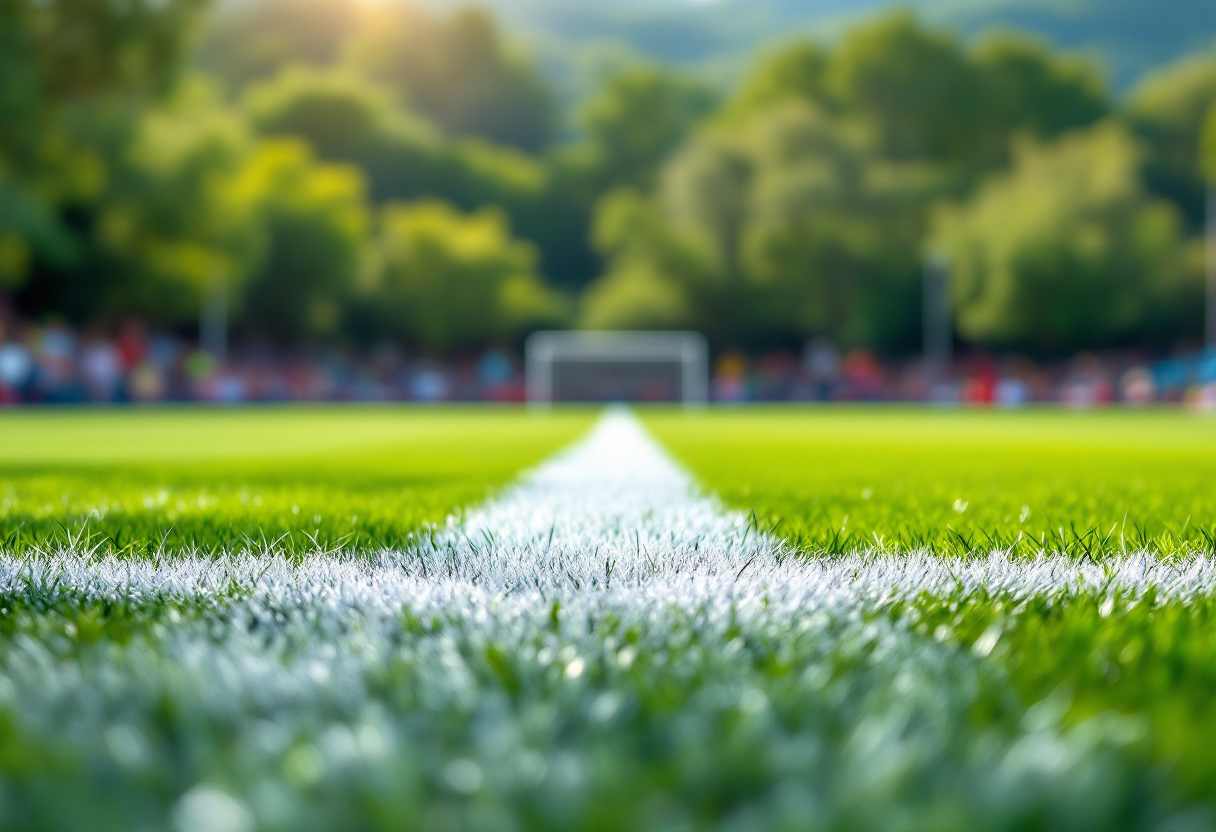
[938,327]
[1210,309]
[213,320]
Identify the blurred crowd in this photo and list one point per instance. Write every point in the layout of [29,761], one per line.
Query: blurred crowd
[54,364]
[822,373]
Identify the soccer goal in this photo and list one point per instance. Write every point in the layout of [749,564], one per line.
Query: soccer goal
[617,367]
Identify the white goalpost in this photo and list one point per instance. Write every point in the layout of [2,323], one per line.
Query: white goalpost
[617,367]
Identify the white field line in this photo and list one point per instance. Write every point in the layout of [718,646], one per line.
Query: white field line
[613,520]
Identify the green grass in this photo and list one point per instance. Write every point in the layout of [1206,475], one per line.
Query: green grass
[961,482]
[951,711]
[1096,485]
[137,481]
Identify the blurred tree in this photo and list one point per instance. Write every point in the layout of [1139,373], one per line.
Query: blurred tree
[657,277]
[448,281]
[808,200]
[926,97]
[174,219]
[30,228]
[706,190]
[315,224]
[68,51]
[797,72]
[1166,111]
[347,118]
[762,236]
[638,119]
[913,85]
[1067,251]
[635,296]
[1029,90]
[254,39]
[58,60]
[457,72]
[834,230]
[1209,148]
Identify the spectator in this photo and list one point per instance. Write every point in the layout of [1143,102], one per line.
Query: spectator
[131,343]
[1088,385]
[822,366]
[55,379]
[429,385]
[863,376]
[16,372]
[730,381]
[1136,387]
[101,369]
[980,389]
[146,383]
[1011,391]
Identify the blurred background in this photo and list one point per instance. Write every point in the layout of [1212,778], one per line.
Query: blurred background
[988,201]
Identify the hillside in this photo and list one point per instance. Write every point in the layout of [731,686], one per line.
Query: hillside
[576,36]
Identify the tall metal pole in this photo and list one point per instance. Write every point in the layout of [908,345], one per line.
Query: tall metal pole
[938,326]
[213,321]
[1210,316]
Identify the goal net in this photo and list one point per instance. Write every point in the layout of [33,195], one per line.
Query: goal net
[617,367]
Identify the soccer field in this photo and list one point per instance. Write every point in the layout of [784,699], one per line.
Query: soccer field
[362,478]
[962,482]
[788,619]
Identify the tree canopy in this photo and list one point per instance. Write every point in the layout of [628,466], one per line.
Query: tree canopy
[1067,250]
[355,172]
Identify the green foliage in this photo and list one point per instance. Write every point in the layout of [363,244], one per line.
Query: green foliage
[58,61]
[355,478]
[449,282]
[315,221]
[958,484]
[789,226]
[928,98]
[248,41]
[29,229]
[913,84]
[1067,251]
[657,275]
[800,207]
[1166,111]
[1028,89]
[808,203]
[176,217]
[457,72]
[638,119]
[1209,148]
[82,49]
[795,71]
[345,118]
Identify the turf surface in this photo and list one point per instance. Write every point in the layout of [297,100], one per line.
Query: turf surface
[335,698]
[961,482]
[139,481]
[1090,486]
